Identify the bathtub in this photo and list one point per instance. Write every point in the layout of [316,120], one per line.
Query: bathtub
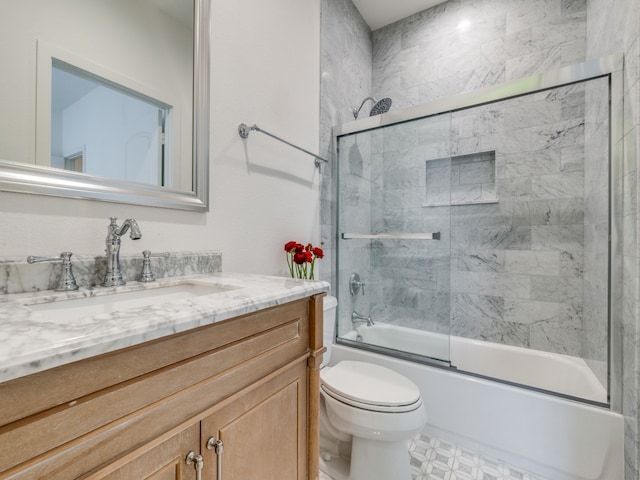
[557,373]
[557,438]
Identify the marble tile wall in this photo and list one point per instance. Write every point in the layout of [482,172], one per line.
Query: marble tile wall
[425,57]
[614,27]
[432,54]
[544,211]
[346,80]
[470,178]
[410,278]
[18,276]
[515,267]
[356,197]
[596,230]
[512,42]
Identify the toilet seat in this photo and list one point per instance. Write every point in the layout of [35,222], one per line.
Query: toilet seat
[370,387]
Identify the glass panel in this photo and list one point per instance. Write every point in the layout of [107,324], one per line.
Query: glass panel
[530,272]
[105,130]
[387,178]
[517,286]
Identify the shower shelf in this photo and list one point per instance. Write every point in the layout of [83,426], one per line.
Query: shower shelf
[393,236]
[468,179]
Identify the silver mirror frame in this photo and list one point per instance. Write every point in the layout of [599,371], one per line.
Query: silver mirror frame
[27,178]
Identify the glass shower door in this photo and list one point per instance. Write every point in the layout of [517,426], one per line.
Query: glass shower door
[486,236]
[394,200]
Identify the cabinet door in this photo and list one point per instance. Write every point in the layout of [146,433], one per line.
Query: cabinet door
[264,432]
[165,461]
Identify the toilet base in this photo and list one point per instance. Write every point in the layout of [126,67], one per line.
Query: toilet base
[336,467]
[370,460]
[378,460]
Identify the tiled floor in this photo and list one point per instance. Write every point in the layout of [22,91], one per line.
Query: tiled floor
[435,459]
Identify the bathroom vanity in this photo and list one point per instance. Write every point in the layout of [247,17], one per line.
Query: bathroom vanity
[221,385]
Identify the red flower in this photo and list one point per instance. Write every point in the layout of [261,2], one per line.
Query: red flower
[299,258]
[290,246]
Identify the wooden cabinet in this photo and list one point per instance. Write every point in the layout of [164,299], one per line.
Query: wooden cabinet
[263,434]
[251,382]
[165,461]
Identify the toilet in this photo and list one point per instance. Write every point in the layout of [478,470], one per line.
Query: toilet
[368,414]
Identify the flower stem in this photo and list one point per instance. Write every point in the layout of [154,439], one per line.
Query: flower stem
[290,263]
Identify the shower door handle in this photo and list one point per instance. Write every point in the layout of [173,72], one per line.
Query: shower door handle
[391,236]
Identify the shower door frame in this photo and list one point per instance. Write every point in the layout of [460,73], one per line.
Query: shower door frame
[610,67]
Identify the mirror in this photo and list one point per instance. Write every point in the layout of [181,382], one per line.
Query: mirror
[76,64]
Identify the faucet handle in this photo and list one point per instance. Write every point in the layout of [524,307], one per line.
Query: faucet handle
[147,274]
[67,282]
[355,284]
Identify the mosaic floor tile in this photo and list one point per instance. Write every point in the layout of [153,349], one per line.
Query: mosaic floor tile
[436,459]
[324,476]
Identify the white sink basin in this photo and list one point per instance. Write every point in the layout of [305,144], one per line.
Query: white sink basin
[75,308]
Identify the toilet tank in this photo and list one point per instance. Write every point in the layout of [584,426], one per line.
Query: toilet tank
[330,308]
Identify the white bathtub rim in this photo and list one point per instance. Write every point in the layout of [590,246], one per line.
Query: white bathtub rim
[520,442]
[457,350]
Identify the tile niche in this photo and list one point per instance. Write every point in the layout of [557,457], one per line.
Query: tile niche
[461,180]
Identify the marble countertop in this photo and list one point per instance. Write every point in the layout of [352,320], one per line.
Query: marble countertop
[32,341]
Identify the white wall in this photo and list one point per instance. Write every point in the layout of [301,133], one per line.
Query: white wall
[118,133]
[265,70]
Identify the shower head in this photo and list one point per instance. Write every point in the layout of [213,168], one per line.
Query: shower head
[379,107]
[382,106]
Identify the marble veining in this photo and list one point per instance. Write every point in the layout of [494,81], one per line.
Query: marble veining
[31,342]
[18,276]
[346,79]
[541,245]
[528,250]
[518,37]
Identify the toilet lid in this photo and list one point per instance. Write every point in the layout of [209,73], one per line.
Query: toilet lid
[370,385]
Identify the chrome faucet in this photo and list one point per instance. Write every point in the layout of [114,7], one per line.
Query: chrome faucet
[357,318]
[67,281]
[113,275]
